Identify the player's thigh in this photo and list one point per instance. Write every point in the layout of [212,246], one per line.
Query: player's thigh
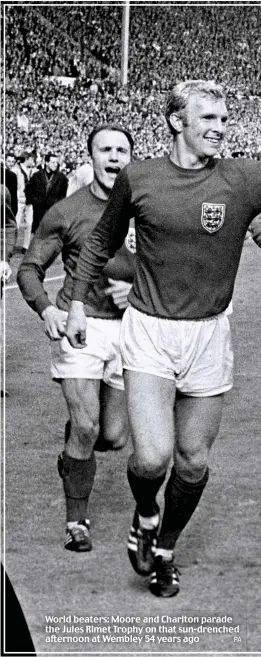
[83,400]
[150,401]
[114,423]
[197,421]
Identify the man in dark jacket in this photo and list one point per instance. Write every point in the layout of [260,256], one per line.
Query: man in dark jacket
[9,179]
[45,188]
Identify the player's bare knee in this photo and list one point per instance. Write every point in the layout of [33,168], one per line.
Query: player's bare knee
[119,442]
[191,466]
[117,435]
[151,466]
[85,431]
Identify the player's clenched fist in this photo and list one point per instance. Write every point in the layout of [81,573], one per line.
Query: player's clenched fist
[76,325]
[54,320]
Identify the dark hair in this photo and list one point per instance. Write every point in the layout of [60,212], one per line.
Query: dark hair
[114,127]
[48,157]
[24,156]
[10,154]
[70,166]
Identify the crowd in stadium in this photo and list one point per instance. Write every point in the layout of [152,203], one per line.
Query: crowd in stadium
[166,45]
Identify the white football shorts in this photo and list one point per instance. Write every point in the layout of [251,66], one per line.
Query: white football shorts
[100,359]
[196,354]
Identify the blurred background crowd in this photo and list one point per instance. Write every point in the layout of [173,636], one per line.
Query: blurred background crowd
[62,67]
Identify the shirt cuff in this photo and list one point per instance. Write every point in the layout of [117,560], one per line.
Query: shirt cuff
[80,290]
[40,304]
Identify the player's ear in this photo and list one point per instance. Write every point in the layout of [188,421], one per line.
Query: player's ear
[176,122]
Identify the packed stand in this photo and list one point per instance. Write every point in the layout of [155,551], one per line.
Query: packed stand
[165,45]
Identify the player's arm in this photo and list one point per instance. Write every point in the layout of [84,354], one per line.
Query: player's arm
[8,234]
[106,238]
[252,171]
[44,248]
[252,180]
[120,270]
[9,243]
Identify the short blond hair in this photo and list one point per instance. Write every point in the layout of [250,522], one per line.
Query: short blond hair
[181,92]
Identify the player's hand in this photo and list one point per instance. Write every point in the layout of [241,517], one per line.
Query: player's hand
[76,325]
[55,321]
[5,271]
[119,291]
[255,229]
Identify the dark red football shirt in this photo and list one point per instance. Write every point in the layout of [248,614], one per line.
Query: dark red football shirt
[190,229]
[64,229]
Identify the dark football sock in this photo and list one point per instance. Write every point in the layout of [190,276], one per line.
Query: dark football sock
[144,491]
[181,500]
[78,477]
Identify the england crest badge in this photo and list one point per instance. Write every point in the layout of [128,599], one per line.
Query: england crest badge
[213,216]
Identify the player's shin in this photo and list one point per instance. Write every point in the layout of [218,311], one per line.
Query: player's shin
[78,477]
[144,490]
[181,500]
[142,539]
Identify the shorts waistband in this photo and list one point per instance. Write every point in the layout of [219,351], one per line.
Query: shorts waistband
[182,319]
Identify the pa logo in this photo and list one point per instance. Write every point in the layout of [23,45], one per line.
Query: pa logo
[130,240]
[213,216]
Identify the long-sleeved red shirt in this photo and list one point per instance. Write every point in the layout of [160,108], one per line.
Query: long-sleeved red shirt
[63,229]
[190,228]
